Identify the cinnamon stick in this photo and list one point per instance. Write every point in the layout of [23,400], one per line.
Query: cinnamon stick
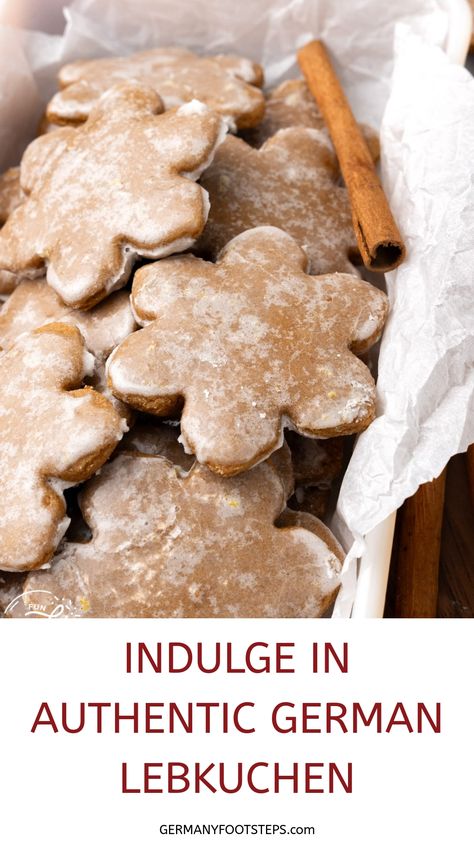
[378,237]
[421,519]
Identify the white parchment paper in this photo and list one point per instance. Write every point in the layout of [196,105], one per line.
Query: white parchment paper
[390,59]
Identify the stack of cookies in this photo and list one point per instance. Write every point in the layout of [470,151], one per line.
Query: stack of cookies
[177,263]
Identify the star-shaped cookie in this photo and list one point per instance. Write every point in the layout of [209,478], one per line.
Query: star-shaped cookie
[225,83]
[121,185]
[249,344]
[51,435]
[290,183]
[166,544]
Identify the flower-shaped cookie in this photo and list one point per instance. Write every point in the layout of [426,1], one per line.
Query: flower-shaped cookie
[249,343]
[292,104]
[198,545]
[118,186]
[50,437]
[225,83]
[290,183]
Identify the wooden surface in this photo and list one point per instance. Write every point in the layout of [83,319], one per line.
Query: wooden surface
[455,598]
[418,551]
[456,580]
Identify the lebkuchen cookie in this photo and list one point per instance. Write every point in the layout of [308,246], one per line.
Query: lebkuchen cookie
[52,434]
[316,464]
[228,84]
[290,183]
[34,303]
[249,344]
[168,544]
[121,185]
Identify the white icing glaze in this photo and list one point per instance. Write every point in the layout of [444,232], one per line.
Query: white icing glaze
[194,106]
[49,439]
[198,171]
[251,343]
[127,173]
[290,183]
[221,82]
[144,559]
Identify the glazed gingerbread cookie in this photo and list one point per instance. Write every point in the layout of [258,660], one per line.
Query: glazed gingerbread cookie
[50,437]
[226,83]
[291,183]
[121,185]
[202,546]
[249,344]
[292,104]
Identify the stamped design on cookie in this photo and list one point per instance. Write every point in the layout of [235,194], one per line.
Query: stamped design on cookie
[52,435]
[249,344]
[121,185]
[152,565]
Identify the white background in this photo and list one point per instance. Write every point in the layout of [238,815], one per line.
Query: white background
[410,787]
